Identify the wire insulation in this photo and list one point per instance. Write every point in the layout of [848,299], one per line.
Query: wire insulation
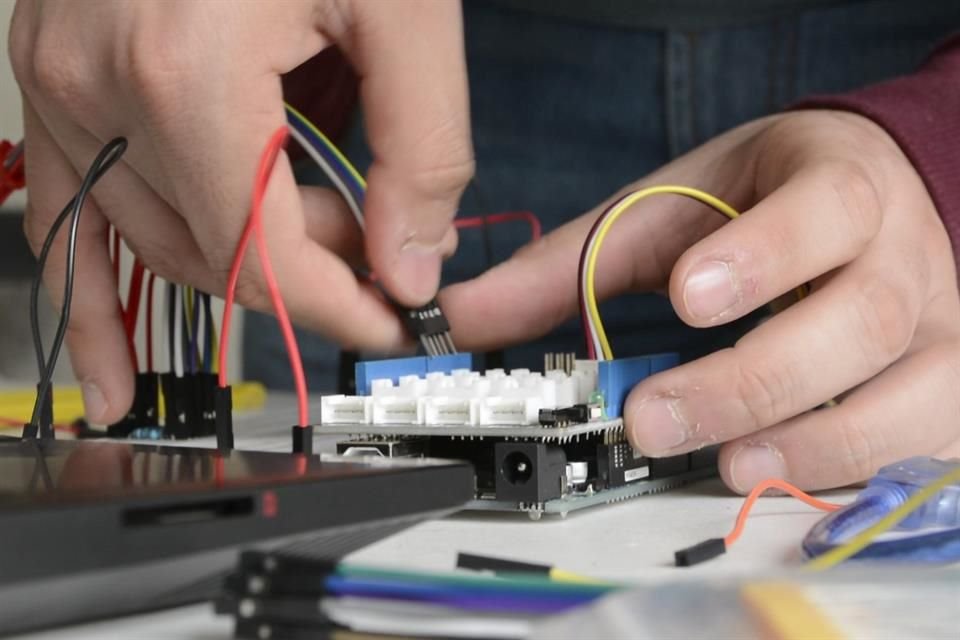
[766,485]
[105,159]
[254,227]
[536,229]
[598,345]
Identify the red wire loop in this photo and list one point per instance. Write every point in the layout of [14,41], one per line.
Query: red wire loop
[254,228]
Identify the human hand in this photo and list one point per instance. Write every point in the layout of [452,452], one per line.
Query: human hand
[829,199]
[195,88]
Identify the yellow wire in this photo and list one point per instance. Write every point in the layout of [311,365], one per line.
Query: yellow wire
[863,539]
[612,217]
[329,144]
[561,575]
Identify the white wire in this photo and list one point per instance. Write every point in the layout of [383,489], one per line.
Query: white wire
[177,336]
[590,329]
[201,332]
[330,173]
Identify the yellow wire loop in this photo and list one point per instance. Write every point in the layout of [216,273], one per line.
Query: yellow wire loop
[866,537]
[612,217]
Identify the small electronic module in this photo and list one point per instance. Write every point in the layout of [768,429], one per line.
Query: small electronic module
[540,442]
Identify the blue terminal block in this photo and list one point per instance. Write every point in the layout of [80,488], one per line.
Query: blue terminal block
[366,372]
[615,378]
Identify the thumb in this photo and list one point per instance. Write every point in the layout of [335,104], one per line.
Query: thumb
[410,59]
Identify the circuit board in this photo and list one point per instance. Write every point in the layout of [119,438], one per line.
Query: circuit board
[540,443]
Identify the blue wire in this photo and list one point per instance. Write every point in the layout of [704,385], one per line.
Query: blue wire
[462,596]
[356,189]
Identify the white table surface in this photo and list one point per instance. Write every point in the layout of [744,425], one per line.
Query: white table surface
[632,540]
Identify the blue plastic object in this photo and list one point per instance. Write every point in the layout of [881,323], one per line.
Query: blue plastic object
[936,523]
[615,378]
[366,372]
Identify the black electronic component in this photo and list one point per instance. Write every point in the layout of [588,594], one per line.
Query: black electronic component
[223,417]
[529,472]
[394,448]
[705,458]
[475,562]
[428,325]
[207,385]
[668,467]
[144,412]
[303,439]
[176,411]
[700,552]
[576,414]
[618,464]
[161,525]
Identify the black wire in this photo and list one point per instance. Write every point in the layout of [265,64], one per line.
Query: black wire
[108,156]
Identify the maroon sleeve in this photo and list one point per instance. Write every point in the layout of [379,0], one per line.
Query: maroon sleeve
[922,113]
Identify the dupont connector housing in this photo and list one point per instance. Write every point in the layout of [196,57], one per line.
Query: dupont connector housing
[615,378]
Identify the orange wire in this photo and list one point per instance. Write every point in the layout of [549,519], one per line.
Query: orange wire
[773,483]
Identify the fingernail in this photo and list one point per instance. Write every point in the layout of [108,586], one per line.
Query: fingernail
[658,426]
[418,270]
[710,290]
[94,402]
[753,464]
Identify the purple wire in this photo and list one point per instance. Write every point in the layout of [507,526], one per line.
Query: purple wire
[194,329]
[473,599]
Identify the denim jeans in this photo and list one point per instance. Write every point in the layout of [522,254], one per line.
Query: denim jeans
[565,113]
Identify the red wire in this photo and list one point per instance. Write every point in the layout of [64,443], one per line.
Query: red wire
[536,229]
[255,226]
[132,311]
[150,283]
[115,253]
[773,483]
[13,422]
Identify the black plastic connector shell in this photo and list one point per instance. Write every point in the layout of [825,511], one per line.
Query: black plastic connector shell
[223,417]
[577,414]
[145,410]
[475,562]
[303,440]
[253,561]
[175,423]
[426,320]
[700,552]
[207,386]
[46,413]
